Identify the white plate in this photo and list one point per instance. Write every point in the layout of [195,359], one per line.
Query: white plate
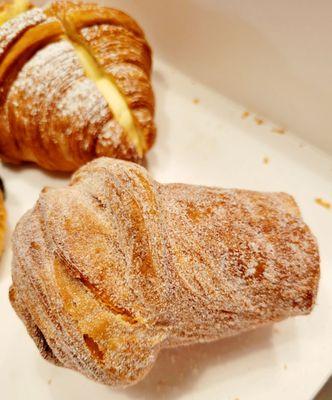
[206,143]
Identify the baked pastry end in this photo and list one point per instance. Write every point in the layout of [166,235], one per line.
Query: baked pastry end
[116,266]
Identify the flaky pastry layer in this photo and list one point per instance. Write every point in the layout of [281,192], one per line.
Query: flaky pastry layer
[74,85]
[115,266]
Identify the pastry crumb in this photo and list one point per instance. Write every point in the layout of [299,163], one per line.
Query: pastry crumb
[280,131]
[259,121]
[49,382]
[196,101]
[323,203]
[266,160]
[245,114]
[285,366]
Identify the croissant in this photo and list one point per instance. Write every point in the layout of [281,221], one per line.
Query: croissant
[74,85]
[116,266]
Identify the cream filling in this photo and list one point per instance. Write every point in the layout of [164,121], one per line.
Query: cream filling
[108,89]
[112,95]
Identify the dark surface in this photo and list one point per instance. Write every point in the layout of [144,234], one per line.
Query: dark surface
[2,186]
[326,392]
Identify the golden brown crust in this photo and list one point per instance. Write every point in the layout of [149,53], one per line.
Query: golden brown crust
[51,113]
[116,266]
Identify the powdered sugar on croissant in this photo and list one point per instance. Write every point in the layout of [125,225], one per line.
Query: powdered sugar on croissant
[116,266]
[74,85]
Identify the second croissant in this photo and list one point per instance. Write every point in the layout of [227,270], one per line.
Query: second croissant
[74,85]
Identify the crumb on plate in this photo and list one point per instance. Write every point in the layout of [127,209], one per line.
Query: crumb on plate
[280,131]
[266,160]
[323,203]
[196,101]
[245,114]
[259,121]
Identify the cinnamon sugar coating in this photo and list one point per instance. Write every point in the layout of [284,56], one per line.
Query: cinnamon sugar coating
[115,266]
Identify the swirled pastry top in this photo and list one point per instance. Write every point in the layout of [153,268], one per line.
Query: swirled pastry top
[115,266]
